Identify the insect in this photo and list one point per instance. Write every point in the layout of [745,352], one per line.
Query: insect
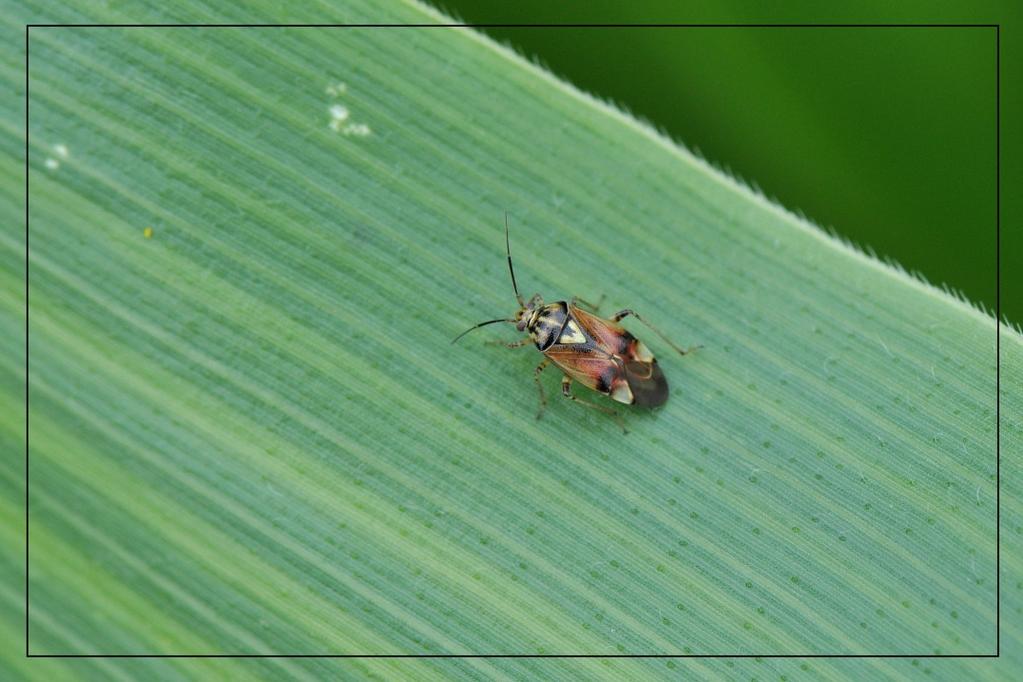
[598,353]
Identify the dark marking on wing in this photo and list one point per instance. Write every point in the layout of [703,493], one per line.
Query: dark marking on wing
[606,379]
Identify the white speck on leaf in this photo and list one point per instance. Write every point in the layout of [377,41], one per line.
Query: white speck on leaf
[340,116]
[339,113]
[336,89]
[356,129]
[52,164]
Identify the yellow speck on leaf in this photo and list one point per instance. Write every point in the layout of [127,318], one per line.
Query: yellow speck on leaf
[148,233]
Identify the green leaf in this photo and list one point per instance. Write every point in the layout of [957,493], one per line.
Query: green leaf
[250,433]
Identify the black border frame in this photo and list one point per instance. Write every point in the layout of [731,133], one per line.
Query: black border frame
[998,315]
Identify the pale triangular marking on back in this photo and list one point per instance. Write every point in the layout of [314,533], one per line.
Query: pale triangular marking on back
[572,334]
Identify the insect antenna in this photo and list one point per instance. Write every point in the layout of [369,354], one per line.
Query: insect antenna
[477,326]
[507,249]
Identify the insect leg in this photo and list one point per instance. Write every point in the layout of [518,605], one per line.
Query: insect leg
[539,387]
[566,390]
[621,314]
[512,344]
[593,307]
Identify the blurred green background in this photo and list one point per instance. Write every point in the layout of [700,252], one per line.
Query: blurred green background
[886,135]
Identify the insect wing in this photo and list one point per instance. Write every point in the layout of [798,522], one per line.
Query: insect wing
[594,370]
[643,375]
[608,335]
[649,387]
